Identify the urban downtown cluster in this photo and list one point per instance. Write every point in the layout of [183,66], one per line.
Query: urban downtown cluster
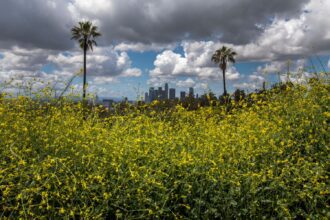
[167,93]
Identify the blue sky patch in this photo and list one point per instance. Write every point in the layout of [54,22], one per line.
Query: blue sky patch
[48,68]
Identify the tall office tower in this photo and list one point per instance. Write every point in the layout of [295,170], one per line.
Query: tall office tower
[172,93]
[146,97]
[160,93]
[156,95]
[152,94]
[166,91]
[191,92]
[182,96]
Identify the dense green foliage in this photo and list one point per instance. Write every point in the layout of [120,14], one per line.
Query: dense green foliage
[269,159]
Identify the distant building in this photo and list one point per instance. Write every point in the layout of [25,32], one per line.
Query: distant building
[160,93]
[191,92]
[172,93]
[146,97]
[182,95]
[156,95]
[152,94]
[166,91]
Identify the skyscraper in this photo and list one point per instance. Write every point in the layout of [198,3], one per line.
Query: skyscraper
[146,97]
[160,93]
[172,93]
[152,95]
[166,91]
[191,92]
[182,96]
[156,95]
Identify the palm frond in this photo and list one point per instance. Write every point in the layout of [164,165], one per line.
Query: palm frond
[231,59]
[222,56]
[90,45]
[85,33]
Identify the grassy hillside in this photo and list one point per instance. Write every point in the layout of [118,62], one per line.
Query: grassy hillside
[270,159]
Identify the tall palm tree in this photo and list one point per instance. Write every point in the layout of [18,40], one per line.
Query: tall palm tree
[222,56]
[85,33]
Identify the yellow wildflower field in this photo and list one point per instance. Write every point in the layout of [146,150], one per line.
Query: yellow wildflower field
[269,159]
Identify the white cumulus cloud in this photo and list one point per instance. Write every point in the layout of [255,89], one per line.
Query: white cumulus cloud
[102,62]
[195,62]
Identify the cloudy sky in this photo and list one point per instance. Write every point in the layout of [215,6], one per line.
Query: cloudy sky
[149,42]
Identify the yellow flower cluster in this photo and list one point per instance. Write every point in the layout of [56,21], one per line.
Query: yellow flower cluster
[269,159]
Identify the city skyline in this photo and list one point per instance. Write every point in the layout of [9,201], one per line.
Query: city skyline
[166,94]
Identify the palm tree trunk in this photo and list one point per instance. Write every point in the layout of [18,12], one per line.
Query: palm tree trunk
[224,82]
[84,83]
